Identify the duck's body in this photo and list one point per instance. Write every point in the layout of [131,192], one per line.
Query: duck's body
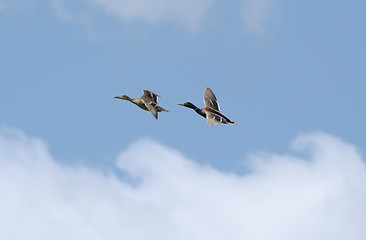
[148,102]
[211,111]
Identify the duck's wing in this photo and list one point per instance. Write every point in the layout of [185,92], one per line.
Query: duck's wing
[152,108]
[215,118]
[150,100]
[149,95]
[210,100]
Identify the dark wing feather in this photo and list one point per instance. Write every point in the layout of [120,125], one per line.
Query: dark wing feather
[150,95]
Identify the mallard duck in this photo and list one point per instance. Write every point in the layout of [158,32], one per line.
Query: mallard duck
[211,111]
[148,101]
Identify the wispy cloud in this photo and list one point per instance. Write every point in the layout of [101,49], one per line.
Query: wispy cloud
[6,5]
[259,15]
[188,13]
[62,11]
[283,197]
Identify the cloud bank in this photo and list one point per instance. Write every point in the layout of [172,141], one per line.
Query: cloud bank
[320,196]
[188,13]
[257,15]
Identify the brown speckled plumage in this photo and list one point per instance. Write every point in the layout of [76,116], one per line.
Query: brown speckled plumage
[148,102]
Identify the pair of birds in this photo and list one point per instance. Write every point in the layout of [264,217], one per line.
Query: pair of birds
[149,102]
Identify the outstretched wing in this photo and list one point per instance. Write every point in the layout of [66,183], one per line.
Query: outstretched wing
[210,100]
[150,95]
[150,100]
[152,108]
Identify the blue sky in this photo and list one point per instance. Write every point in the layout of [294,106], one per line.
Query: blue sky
[280,69]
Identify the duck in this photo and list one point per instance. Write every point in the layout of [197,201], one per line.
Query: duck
[211,111]
[148,102]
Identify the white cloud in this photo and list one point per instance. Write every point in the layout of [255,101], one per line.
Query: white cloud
[283,196]
[258,15]
[188,13]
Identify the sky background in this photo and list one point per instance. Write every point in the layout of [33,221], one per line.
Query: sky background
[284,71]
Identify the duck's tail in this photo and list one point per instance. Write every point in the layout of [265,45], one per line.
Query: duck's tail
[160,109]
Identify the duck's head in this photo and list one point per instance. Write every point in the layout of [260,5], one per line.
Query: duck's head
[188,105]
[123,97]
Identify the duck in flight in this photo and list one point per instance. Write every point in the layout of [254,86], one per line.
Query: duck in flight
[148,101]
[211,111]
